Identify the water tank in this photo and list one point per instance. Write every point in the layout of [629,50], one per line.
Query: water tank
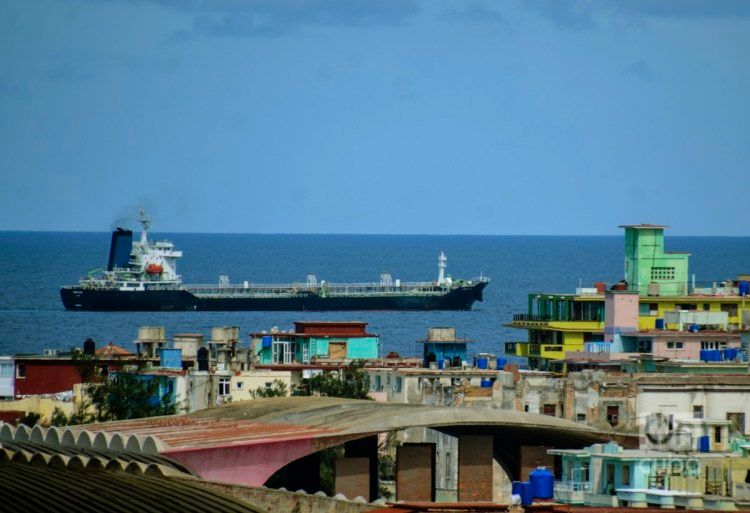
[704,444]
[89,347]
[266,341]
[441,363]
[731,353]
[694,328]
[743,288]
[225,334]
[482,363]
[542,483]
[486,383]
[501,363]
[151,334]
[515,488]
[715,355]
[526,494]
[202,358]
[703,356]
[659,324]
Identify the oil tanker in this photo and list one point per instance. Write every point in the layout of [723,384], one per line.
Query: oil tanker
[142,276]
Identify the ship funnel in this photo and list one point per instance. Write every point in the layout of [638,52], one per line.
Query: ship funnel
[442,264]
[119,249]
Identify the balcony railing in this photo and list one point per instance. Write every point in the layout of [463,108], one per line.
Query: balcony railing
[531,318]
[572,486]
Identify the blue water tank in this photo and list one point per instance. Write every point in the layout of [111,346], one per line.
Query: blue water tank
[703,356]
[515,488]
[501,362]
[715,355]
[267,341]
[482,363]
[486,383]
[659,324]
[441,363]
[704,444]
[694,328]
[744,288]
[731,353]
[527,494]
[542,483]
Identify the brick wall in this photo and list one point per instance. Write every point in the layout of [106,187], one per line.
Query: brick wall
[532,457]
[474,468]
[415,472]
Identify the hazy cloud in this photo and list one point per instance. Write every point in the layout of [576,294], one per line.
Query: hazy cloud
[584,14]
[476,12]
[640,70]
[275,17]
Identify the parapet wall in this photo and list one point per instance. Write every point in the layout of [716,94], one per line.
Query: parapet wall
[284,501]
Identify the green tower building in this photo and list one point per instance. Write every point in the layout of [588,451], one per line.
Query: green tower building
[649,269]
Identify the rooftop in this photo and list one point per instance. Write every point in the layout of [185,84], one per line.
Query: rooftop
[644,226]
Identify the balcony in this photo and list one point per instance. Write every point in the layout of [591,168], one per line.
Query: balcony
[517,348]
[530,320]
[571,492]
[552,351]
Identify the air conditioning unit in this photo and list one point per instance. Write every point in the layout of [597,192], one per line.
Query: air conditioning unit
[51,352]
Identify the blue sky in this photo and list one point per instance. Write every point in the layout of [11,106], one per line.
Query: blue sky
[390,116]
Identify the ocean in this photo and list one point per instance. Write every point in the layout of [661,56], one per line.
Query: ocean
[33,266]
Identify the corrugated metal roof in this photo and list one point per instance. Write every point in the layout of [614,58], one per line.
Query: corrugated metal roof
[33,487]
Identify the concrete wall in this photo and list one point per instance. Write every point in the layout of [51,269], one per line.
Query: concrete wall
[244,383]
[717,402]
[279,501]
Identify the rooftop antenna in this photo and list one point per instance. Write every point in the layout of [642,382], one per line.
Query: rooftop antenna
[442,264]
[145,221]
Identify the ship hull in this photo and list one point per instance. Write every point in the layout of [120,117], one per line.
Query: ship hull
[82,299]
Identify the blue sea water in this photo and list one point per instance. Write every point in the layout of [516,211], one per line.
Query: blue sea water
[33,266]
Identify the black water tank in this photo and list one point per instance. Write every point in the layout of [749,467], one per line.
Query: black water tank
[202,359]
[89,347]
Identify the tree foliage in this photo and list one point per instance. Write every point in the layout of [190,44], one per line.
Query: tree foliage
[277,389]
[128,396]
[352,383]
[30,419]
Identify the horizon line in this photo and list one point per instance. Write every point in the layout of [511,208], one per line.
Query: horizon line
[376,234]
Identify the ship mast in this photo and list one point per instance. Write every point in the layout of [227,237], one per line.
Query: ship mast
[442,264]
[145,221]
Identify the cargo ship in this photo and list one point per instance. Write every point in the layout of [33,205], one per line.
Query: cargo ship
[142,276]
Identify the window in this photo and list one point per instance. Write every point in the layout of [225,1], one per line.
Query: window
[376,383]
[675,345]
[688,306]
[717,434]
[448,465]
[713,344]
[549,409]
[21,370]
[738,422]
[662,273]
[698,411]
[644,345]
[613,415]
[397,386]
[240,385]
[581,417]
[625,477]
[170,387]
[223,386]
[730,308]
[6,370]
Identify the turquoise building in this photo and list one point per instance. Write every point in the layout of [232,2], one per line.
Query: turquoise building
[315,339]
[607,475]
